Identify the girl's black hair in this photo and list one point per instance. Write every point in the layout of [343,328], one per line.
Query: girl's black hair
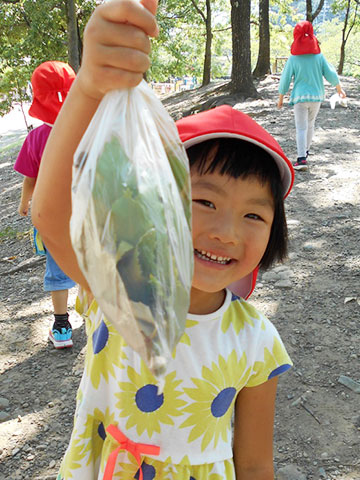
[239,158]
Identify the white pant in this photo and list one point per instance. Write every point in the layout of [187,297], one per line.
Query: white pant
[305,115]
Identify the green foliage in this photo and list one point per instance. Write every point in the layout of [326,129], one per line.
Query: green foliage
[35,31]
[179,50]
[32,32]
[10,233]
[283,16]
[330,41]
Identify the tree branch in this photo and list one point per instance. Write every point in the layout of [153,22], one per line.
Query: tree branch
[353,23]
[199,10]
[318,10]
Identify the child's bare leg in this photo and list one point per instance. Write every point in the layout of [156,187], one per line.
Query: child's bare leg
[59,300]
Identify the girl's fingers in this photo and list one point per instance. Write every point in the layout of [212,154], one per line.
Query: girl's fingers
[121,34]
[116,46]
[132,12]
[151,5]
[123,58]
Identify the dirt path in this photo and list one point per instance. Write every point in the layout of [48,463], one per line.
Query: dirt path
[314,300]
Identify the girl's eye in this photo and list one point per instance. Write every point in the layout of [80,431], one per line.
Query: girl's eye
[253,216]
[206,203]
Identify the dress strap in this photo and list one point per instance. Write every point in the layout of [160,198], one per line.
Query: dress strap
[136,449]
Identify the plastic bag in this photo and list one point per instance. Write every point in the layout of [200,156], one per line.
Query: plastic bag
[131,221]
[336,98]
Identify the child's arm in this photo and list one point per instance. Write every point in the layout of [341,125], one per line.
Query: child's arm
[26,194]
[116,48]
[253,433]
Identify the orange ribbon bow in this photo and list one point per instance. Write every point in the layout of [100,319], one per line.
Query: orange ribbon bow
[136,449]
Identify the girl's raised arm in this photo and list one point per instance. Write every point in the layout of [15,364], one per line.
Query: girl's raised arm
[253,432]
[116,54]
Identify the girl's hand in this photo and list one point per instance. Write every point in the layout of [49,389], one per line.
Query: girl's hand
[117,46]
[280,101]
[23,209]
[340,91]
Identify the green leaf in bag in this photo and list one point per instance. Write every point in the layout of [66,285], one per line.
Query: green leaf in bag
[136,279]
[114,167]
[129,220]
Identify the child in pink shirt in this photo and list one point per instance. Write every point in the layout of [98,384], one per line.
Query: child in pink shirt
[51,82]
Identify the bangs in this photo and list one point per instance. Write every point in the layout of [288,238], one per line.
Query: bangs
[233,157]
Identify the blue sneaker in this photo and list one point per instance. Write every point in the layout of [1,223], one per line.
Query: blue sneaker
[60,334]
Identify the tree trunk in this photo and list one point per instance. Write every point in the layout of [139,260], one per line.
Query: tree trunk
[309,10]
[207,59]
[241,78]
[263,62]
[345,34]
[73,39]
[342,59]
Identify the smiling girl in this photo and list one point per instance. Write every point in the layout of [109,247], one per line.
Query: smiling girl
[230,356]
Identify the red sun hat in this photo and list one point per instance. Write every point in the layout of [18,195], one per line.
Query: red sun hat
[305,41]
[51,82]
[227,122]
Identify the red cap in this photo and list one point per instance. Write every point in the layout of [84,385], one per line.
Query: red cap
[226,121]
[305,41]
[51,82]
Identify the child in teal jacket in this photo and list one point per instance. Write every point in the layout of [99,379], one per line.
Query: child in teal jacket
[306,67]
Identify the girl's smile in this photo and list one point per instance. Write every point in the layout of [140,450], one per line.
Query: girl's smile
[232,219]
[212,257]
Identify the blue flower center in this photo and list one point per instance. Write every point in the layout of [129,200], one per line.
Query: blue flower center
[222,401]
[101,431]
[100,337]
[147,398]
[148,472]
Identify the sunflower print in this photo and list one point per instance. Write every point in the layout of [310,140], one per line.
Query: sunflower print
[72,459]
[95,434]
[204,472]
[79,399]
[185,338]
[240,314]
[275,363]
[151,469]
[104,351]
[213,399]
[146,408]
[84,301]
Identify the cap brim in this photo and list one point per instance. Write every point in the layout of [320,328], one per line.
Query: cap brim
[227,122]
[283,164]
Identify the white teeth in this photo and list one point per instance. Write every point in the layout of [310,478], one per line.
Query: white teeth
[207,255]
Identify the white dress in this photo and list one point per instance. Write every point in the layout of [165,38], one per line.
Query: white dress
[188,425]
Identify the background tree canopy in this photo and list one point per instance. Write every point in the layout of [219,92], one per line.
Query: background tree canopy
[200,38]
[31,33]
